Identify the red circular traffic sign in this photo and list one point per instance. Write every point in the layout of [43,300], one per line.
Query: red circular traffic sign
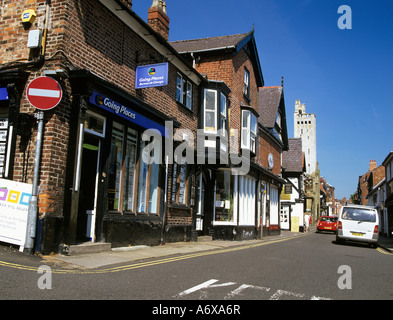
[44,93]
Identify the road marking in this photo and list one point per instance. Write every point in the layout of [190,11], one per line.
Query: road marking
[198,287]
[280,293]
[380,250]
[242,288]
[231,295]
[153,262]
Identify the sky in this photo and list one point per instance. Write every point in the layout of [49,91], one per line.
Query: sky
[344,76]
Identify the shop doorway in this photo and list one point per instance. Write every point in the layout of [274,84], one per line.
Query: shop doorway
[88,188]
[285,218]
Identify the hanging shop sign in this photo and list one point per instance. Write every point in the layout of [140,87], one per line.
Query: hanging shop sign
[153,75]
[118,109]
[3,93]
[14,204]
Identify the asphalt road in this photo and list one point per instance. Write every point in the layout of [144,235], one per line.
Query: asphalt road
[310,267]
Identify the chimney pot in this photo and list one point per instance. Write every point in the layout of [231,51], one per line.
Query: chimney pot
[157,18]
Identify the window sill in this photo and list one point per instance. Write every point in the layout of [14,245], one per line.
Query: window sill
[183,107]
[179,206]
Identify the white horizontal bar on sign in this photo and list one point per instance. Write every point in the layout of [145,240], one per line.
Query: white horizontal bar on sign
[44,93]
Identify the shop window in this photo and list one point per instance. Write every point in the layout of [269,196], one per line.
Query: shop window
[115,167]
[249,131]
[246,192]
[148,190]
[132,183]
[184,91]
[180,184]
[224,202]
[95,124]
[4,142]
[130,164]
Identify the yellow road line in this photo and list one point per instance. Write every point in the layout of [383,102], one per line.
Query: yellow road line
[384,251]
[148,263]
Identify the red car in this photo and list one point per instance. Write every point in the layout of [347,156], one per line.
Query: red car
[327,223]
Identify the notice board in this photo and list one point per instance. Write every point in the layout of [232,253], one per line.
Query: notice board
[14,206]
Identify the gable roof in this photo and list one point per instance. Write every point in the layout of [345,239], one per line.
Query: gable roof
[292,160]
[209,44]
[233,43]
[270,101]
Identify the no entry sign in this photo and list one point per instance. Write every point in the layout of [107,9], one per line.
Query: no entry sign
[44,93]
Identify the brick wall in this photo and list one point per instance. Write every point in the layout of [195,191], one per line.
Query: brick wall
[82,34]
[266,145]
[230,69]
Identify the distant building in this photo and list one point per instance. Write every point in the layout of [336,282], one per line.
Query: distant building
[305,127]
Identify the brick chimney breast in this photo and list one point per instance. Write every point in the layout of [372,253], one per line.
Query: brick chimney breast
[373,165]
[157,18]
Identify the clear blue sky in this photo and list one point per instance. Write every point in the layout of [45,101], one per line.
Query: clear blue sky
[345,77]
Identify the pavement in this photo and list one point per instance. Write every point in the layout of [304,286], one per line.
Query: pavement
[141,253]
[386,243]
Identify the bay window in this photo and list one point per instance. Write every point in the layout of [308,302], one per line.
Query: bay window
[210,111]
[249,131]
[215,111]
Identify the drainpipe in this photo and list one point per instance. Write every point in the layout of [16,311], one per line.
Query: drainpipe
[165,200]
[45,35]
[33,204]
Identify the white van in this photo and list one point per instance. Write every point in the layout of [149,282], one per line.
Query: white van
[358,223]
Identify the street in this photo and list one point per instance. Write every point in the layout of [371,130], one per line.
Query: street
[308,267]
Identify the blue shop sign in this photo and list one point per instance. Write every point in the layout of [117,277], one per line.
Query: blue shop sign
[153,75]
[116,108]
[3,93]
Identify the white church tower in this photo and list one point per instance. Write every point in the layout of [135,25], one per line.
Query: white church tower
[305,127]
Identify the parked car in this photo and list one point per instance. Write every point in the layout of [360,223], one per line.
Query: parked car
[327,223]
[358,223]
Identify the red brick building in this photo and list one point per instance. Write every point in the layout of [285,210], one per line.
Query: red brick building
[246,206]
[105,178]
[93,184]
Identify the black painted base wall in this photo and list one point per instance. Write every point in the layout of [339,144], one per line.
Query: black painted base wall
[232,233]
[123,231]
[177,233]
[48,235]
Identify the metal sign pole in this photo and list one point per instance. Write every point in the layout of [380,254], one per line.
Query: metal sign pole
[33,204]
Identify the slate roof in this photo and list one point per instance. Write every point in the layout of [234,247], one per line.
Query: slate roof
[234,43]
[292,160]
[207,44]
[269,102]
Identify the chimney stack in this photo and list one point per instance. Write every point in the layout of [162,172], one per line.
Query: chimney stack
[158,19]
[127,3]
[373,165]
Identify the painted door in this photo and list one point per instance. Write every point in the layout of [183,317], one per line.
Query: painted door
[285,217]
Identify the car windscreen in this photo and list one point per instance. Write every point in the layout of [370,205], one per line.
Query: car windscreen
[329,219]
[359,214]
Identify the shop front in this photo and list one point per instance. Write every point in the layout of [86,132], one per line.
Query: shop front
[118,184]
